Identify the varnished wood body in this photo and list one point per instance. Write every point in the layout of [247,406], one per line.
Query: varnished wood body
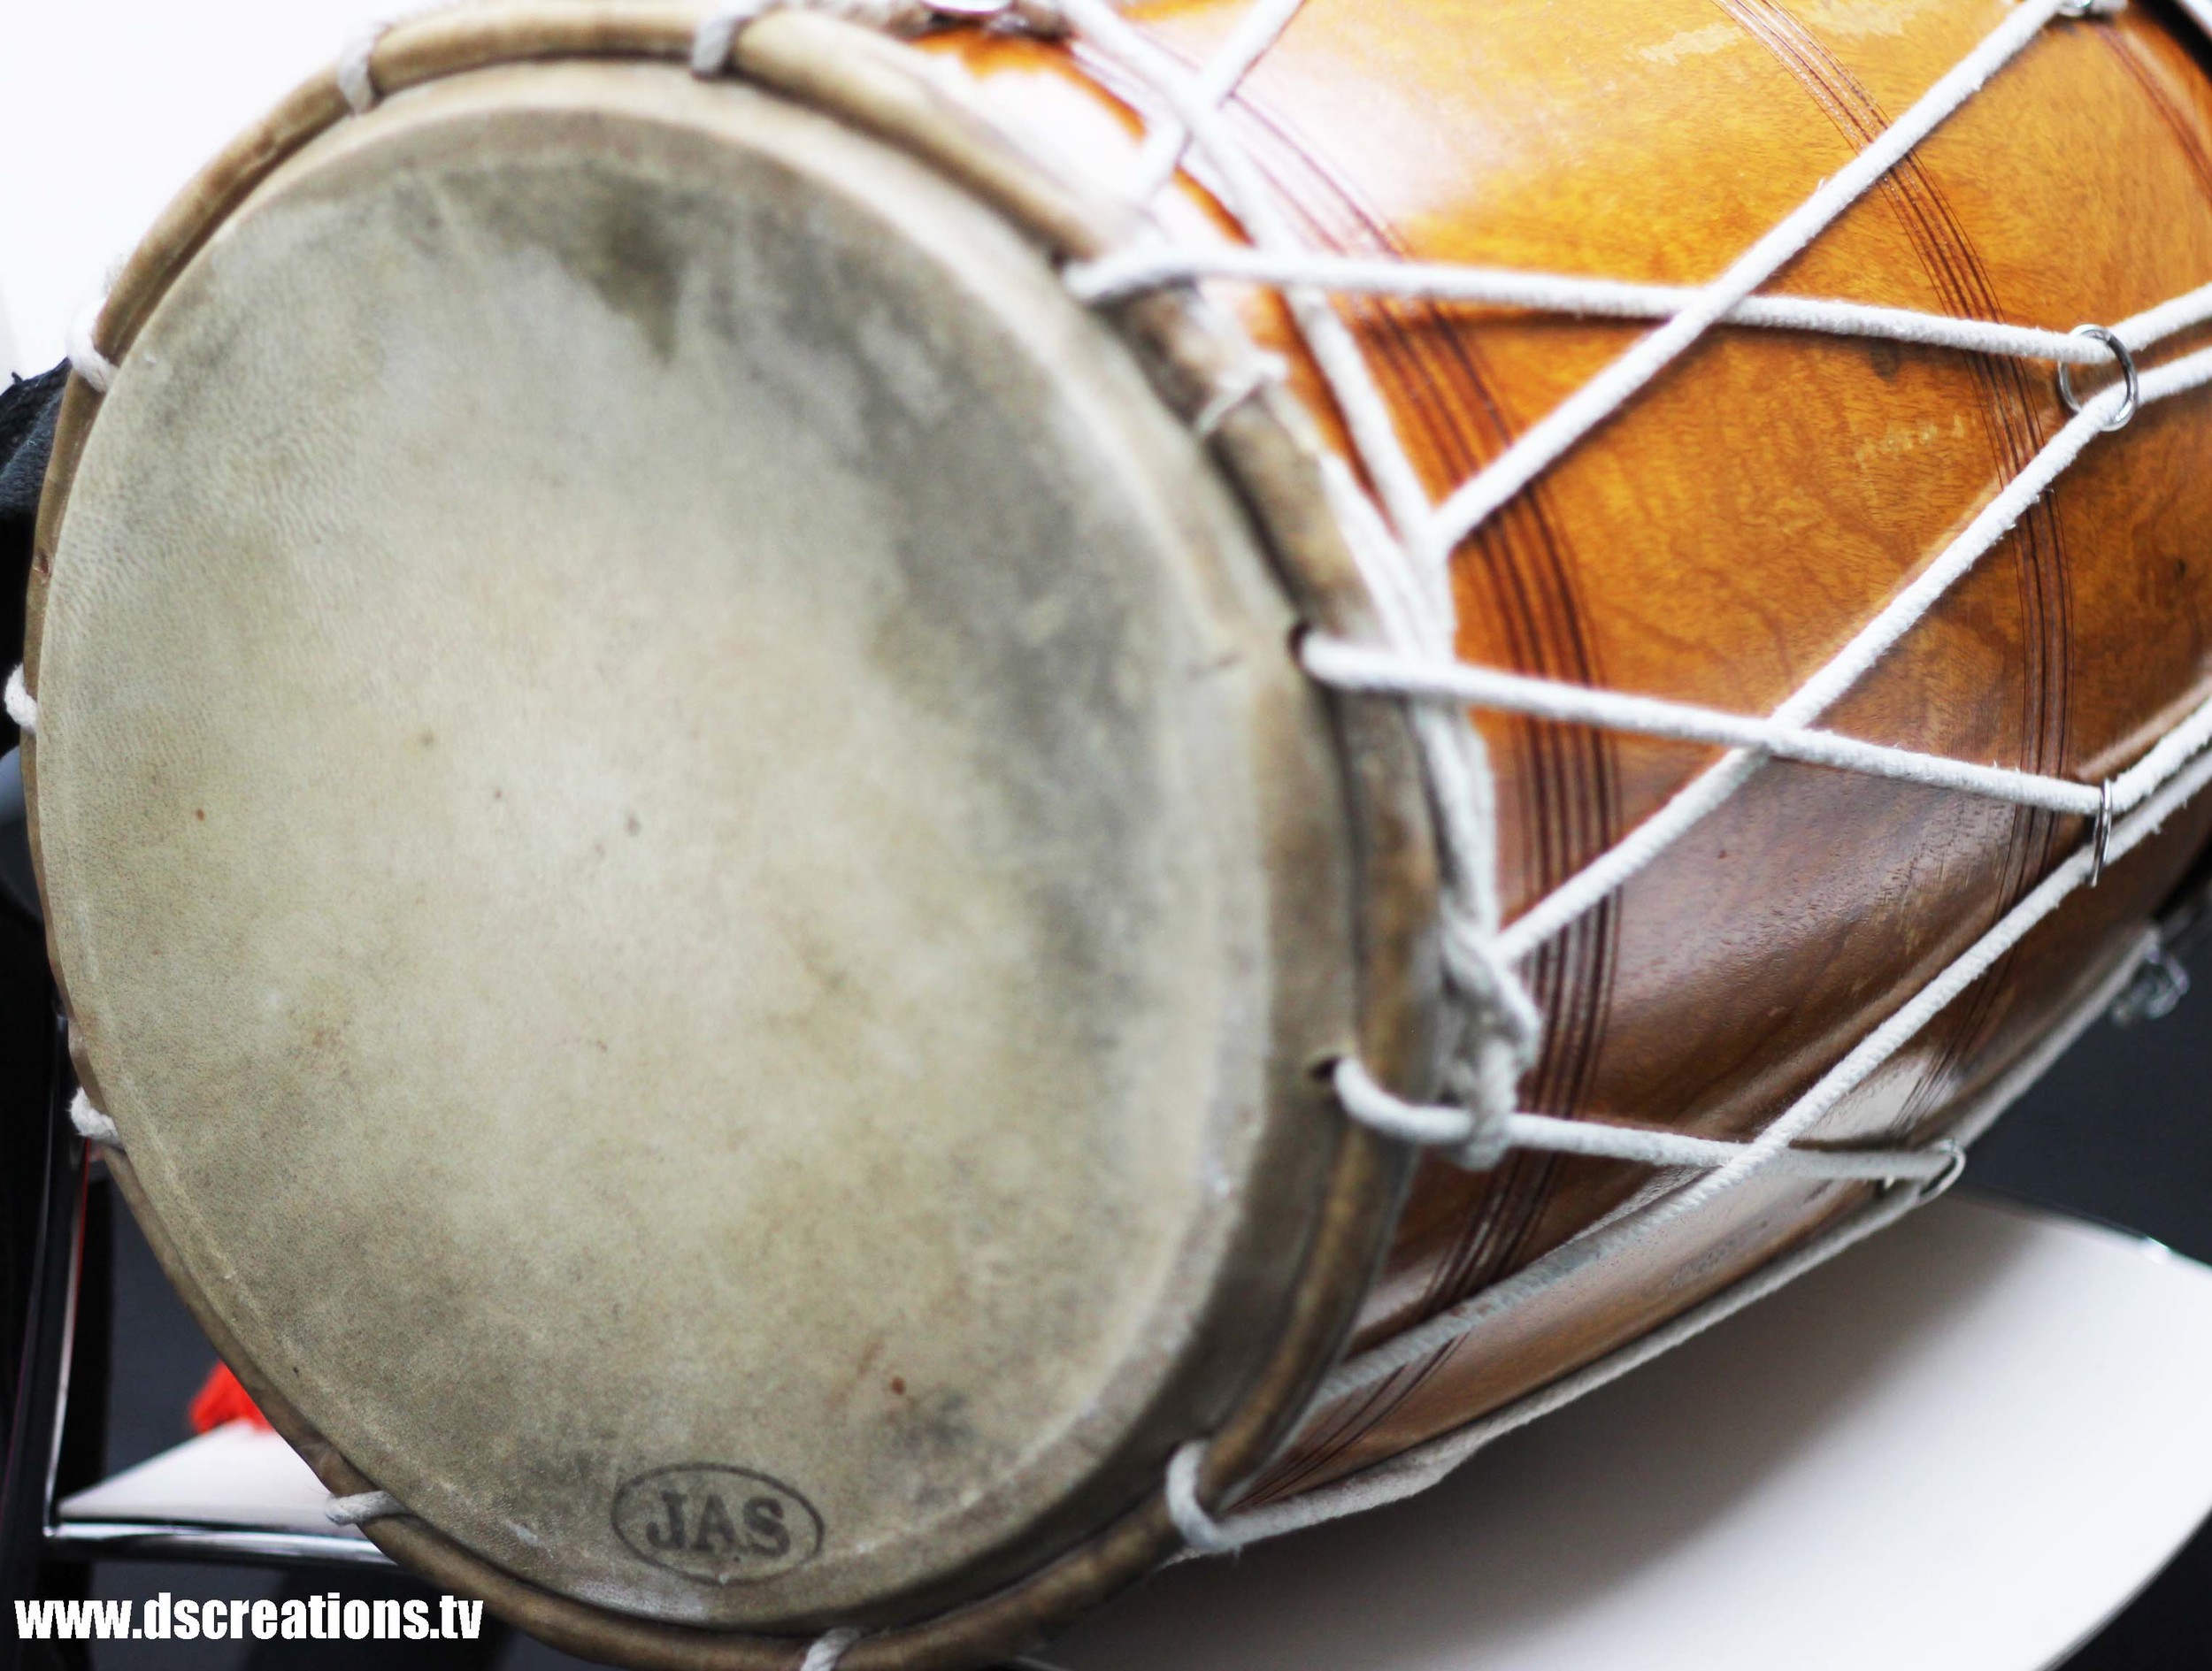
[1721,538]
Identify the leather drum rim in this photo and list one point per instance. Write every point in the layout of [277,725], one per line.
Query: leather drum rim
[1271,456]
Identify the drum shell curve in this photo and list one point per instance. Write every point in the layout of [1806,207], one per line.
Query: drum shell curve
[1716,541]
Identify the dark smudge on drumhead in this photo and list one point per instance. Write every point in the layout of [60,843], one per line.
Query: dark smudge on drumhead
[604,232]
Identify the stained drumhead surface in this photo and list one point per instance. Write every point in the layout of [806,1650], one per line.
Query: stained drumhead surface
[663,790]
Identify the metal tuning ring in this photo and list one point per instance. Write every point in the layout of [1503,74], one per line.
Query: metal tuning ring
[2101,841]
[2131,378]
[2158,985]
[1954,1164]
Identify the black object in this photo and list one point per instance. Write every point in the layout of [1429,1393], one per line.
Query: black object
[46,1261]
[44,1167]
[18,881]
[28,407]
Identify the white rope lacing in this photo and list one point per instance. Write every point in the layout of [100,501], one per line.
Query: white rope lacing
[1355,668]
[1480,1146]
[1403,552]
[1706,793]
[1131,272]
[1497,1025]
[716,35]
[1412,1472]
[362,1508]
[1550,438]
[827,1650]
[1258,29]
[1199,1531]
[21,705]
[90,1124]
[1249,378]
[356,78]
[1767,1148]
[85,357]
[1403,590]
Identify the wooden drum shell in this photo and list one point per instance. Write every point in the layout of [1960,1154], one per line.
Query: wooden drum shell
[1721,538]
[1715,543]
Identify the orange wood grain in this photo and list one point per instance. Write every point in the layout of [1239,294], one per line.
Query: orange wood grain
[1719,540]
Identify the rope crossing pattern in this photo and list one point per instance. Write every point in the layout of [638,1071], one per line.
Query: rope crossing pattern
[1402,542]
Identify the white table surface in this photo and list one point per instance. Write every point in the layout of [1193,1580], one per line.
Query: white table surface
[238,1475]
[1961,1447]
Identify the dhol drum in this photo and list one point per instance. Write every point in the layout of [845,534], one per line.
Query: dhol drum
[844,829]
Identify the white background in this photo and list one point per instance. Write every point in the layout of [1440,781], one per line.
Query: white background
[1961,1447]
[106,110]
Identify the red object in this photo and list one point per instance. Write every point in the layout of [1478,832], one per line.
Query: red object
[222,1400]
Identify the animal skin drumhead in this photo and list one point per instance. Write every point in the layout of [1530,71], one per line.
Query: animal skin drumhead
[650,770]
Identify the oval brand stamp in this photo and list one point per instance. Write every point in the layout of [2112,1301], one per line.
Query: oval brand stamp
[717,1524]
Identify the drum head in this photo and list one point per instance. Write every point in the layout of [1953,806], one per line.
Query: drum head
[671,806]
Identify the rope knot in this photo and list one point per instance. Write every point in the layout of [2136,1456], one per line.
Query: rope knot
[90,1124]
[1476,1140]
[85,357]
[361,1508]
[21,705]
[1199,1529]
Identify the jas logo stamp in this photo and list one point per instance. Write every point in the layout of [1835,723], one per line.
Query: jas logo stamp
[716,1524]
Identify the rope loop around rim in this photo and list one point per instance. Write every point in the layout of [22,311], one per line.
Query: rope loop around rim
[1199,1531]
[716,35]
[22,706]
[827,1650]
[85,358]
[1470,1141]
[362,1508]
[356,78]
[90,1124]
